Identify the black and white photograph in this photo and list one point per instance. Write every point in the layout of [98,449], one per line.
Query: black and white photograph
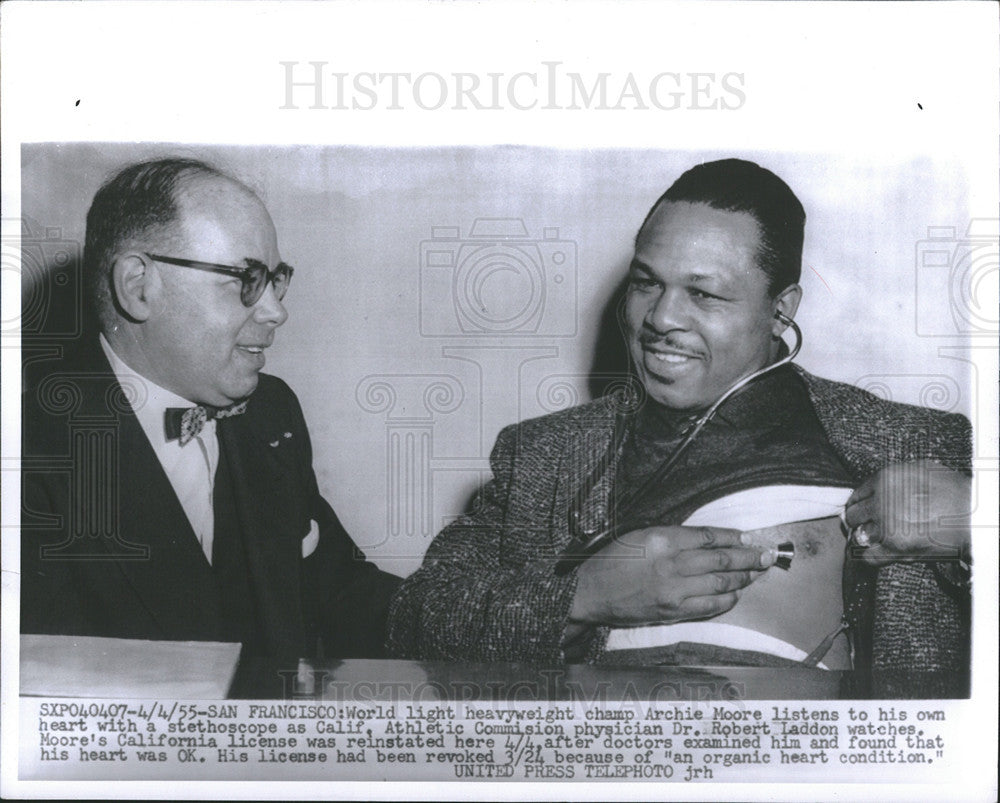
[407,438]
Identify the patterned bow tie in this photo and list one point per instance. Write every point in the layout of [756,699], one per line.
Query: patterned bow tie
[185,423]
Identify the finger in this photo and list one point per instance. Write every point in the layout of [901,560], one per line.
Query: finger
[706,585]
[682,538]
[695,562]
[703,607]
[863,491]
[868,534]
[861,511]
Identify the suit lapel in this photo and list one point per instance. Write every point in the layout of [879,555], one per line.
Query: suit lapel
[151,540]
[585,477]
[175,583]
[269,511]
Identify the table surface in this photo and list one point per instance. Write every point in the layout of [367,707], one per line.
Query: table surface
[390,680]
[142,670]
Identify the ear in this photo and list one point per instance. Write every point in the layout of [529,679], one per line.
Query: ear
[135,281]
[787,303]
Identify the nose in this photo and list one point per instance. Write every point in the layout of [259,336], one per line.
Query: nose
[268,309]
[668,311]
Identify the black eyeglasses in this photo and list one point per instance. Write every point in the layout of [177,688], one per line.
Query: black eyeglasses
[254,276]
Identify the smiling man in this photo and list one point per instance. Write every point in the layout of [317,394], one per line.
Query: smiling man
[671,509]
[190,510]
[699,311]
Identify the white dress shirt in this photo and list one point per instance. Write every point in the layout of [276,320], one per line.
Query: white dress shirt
[190,468]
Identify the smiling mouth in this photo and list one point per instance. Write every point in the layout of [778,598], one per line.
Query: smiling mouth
[671,357]
[255,349]
[674,359]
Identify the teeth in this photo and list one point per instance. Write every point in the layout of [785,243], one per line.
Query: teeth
[254,349]
[674,358]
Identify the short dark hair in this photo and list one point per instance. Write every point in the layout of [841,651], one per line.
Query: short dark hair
[136,201]
[736,185]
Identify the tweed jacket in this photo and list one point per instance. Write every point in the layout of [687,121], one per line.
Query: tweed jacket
[487,591]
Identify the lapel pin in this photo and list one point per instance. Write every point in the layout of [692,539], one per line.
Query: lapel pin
[273,444]
[288,434]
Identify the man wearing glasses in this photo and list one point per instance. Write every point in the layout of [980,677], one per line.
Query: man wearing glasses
[191,510]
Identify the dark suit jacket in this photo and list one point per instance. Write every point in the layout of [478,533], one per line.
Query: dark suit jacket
[108,551]
[487,590]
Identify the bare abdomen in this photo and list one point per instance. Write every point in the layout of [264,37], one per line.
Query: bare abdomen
[803,604]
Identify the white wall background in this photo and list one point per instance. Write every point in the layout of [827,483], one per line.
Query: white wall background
[352,221]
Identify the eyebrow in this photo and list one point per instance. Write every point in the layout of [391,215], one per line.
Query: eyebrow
[251,262]
[694,278]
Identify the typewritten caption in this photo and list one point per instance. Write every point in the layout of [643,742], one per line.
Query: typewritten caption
[718,741]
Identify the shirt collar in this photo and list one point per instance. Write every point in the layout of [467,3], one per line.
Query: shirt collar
[150,406]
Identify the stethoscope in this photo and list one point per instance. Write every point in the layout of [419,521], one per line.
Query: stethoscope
[587,542]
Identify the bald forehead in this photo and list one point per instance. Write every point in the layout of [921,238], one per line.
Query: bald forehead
[221,217]
[199,191]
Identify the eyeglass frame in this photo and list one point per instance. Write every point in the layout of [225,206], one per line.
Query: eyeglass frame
[245,275]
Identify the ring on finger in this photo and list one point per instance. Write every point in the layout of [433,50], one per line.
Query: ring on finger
[861,537]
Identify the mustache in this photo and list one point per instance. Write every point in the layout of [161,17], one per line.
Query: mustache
[649,337]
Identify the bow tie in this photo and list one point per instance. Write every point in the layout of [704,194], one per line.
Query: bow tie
[185,423]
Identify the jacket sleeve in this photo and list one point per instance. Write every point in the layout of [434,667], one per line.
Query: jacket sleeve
[485,591]
[922,618]
[345,597]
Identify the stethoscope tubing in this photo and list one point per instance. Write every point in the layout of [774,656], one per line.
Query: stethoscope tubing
[577,553]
